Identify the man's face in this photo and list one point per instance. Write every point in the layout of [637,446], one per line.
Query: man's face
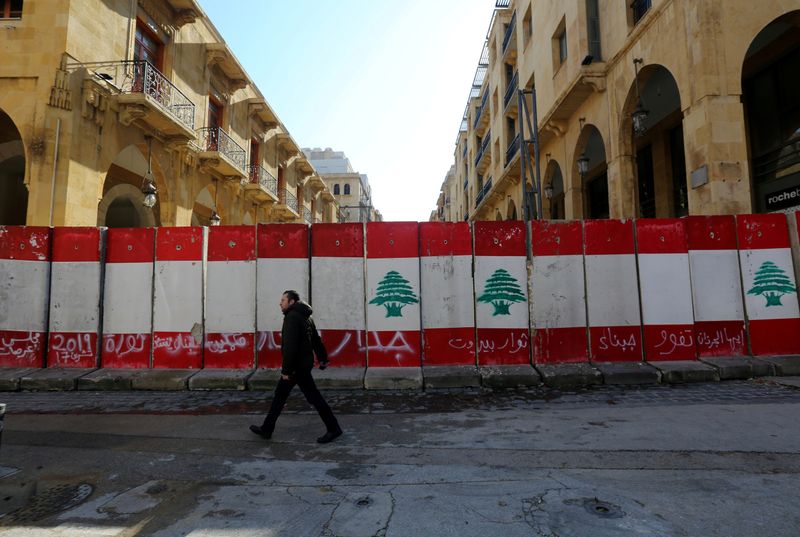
[285,302]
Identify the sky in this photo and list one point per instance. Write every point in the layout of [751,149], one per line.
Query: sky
[385,81]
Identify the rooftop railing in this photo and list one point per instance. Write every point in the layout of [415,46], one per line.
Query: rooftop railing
[216,139]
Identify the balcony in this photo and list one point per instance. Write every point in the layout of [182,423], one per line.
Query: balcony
[307,218]
[639,9]
[464,152]
[513,149]
[466,182]
[481,114]
[483,158]
[220,154]
[286,210]
[509,99]
[487,186]
[509,39]
[145,96]
[263,187]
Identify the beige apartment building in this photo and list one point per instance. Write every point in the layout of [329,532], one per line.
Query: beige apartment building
[651,108]
[130,113]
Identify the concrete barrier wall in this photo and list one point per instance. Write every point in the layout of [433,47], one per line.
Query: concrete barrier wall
[402,294]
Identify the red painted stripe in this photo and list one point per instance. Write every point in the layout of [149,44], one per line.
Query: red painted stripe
[720,338]
[449,346]
[22,349]
[445,238]
[608,237]
[762,231]
[72,349]
[500,238]
[711,232]
[392,240]
[669,342]
[232,243]
[25,243]
[615,343]
[775,337]
[229,351]
[337,240]
[283,241]
[560,346]
[503,346]
[130,245]
[268,349]
[661,236]
[76,244]
[556,238]
[179,244]
[394,348]
[176,350]
[126,351]
[346,348]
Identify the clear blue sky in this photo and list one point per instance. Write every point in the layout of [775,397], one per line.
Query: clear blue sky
[385,81]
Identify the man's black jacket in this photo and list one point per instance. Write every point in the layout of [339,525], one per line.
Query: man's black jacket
[300,340]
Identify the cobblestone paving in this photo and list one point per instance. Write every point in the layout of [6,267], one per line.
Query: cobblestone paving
[371,402]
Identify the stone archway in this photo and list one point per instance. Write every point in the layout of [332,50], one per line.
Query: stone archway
[591,150]
[206,203]
[13,190]
[554,191]
[122,202]
[770,85]
[511,211]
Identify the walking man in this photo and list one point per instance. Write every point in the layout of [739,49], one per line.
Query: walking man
[299,341]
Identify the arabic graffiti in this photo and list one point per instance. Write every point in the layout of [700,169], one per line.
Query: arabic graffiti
[220,343]
[672,340]
[461,344]
[123,345]
[72,349]
[394,345]
[720,341]
[176,344]
[23,348]
[610,340]
[511,343]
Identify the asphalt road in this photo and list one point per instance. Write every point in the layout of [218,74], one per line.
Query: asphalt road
[697,460]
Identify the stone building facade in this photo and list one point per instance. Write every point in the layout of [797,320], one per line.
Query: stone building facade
[651,108]
[100,99]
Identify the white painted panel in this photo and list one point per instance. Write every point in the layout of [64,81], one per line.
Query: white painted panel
[24,291]
[559,296]
[128,298]
[230,297]
[337,292]
[75,297]
[275,276]
[447,295]
[377,315]
[612,290]
[178,303]
[716,285]
[485,267]
[757,305]
[666,289]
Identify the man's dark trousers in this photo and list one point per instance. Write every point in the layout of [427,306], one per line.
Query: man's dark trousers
[309,388]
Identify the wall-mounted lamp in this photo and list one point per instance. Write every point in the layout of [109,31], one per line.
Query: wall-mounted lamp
[215,219]
[639,116]
[583,164]
[149,181]
[548,191]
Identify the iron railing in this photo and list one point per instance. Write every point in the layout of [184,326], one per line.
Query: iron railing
[509,31]
[484,145]
[464,152]
[513,147]
[511,90]
[287,198]
[466,182]
[487,186]
[307,215]
[482,106]
[260,176]
[502,3]
[640,8]
[216,139]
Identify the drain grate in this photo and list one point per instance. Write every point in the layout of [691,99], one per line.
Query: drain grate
[49,502]
[602,509]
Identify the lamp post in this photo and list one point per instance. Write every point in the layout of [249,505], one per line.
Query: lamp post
[149,189]
[639,115]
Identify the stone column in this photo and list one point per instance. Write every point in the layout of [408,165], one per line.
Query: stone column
[622,187]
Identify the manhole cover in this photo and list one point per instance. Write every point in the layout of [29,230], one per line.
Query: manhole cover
[602,509]
[48,502]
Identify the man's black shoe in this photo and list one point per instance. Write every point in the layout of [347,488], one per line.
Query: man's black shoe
[330,436]
[260,432]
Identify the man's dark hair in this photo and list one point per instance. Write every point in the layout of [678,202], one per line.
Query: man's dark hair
[291,294]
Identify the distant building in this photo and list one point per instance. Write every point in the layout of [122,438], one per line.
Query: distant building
[350,188]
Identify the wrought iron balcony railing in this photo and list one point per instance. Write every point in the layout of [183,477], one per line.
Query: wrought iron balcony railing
[484,146]
[510,31]
[260,176]
[307,216]
[464,152]
[482,106]
[487,186]
[287,198]
[466,182]
[640,8]
[511,90]
[216,139]
[513,147]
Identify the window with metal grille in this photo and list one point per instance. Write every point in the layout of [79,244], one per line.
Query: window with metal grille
[10,9]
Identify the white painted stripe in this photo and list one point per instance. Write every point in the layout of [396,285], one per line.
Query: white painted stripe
[377,319]
[485,267]
[178,302]
[447,296]
[716,285]
[612,290]
[666,289]
[24,291]
[230,297]
[337,292]
[274,276]
[75,297]
[559,297]
[128,298]
[757,308]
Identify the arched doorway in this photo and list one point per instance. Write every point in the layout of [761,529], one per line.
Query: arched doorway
[590,165]
[660,161]
[770,86]
[122,203]
[205,205]
[13,191]
[497,216]
[554,191]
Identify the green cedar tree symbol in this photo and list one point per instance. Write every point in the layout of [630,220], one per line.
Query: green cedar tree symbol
[501,291]
[771,282]
[394,293]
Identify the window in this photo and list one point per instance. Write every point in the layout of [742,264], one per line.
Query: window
[639,9]
[562,47]
[527,26]
[147,47]
[593,21]
[10,9]
[336,189]
[559,44]
[347,189]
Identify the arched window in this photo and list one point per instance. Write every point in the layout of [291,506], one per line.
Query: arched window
[347,189]
[336,189]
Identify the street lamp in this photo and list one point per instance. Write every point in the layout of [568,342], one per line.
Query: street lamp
[149,189]
[548,191]
[639,115]
[583,164]
[215,219]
